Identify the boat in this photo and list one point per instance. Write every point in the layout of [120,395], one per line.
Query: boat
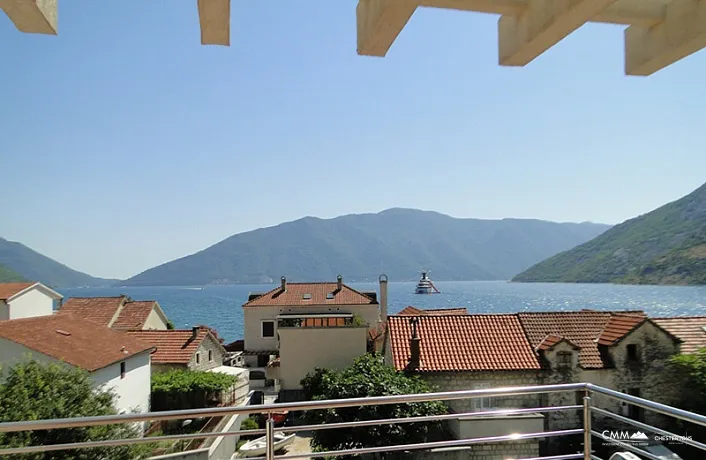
[426,286]
[258,447]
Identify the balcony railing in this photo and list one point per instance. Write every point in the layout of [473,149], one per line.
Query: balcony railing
[587,409]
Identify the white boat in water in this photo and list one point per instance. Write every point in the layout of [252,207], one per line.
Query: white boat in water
[258,447]
[426,286]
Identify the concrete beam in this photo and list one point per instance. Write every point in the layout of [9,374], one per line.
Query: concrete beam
[32,16]
[543,24]
[681,33]
[214,17]
[380,22]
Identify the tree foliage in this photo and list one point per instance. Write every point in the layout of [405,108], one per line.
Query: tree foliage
[185,381]
[369,376]
[35,391]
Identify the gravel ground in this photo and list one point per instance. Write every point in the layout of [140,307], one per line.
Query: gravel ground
[300,444]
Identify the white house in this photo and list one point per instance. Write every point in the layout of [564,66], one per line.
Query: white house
[114,359]
[120,313]
[26,300]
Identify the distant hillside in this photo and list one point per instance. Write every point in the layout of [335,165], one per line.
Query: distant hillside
[8,276]
[399,242]
[661,246]
[34,266]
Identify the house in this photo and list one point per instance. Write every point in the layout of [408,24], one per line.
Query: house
[194,349]
[307,325]
[114,360]
[120,313]
[414,311]
[26,300]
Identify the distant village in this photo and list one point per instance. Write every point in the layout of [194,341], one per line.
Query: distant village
[295,328]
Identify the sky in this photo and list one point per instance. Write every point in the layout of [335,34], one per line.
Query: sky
[124,143]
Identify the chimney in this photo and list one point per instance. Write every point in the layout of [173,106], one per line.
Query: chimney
[284,283]
[194,332]
[383,297]
[415,357]
[339,280]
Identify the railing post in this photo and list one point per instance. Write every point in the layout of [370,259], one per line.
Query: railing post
[587,451]
[270,437]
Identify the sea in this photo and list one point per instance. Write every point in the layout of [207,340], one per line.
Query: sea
[221,306]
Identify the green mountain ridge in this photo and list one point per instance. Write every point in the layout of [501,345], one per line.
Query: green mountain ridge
[9,276]
[660,247]
[398,242]
[33,266]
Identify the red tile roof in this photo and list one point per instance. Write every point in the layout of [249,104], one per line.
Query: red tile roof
[688,329]
[582,328]
[72,339]
[551,340]
[8,290]
[100,310]
[414,311]
[133,315]
[293,295]
[463,343]
[173,346]
[617,327]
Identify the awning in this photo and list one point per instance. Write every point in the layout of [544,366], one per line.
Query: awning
[322,315]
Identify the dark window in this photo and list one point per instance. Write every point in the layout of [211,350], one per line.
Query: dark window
[122,370]
[632,352]
[262,360]
[564,359]
[268,328]
[210,356]
[198,358]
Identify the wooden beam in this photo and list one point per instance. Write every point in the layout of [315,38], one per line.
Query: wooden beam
[543,24]
[379,23]
[32,16]
[214,17]
[681,33]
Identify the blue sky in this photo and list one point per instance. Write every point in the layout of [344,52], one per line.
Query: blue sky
[124,143]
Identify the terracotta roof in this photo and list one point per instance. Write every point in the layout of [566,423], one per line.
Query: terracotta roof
[617,327]
[72,339]
[8,290]
[295,293]
[173,346]
[688,329]
[551,340]
[582,328]
[100,310]
[133,315]
[414,311]
[463,343]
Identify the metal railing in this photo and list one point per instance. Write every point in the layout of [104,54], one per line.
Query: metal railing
[587,409]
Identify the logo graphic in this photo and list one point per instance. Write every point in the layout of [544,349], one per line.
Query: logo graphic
[639,436]
[634,438]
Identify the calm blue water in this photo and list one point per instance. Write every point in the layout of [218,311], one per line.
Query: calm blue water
[220,306]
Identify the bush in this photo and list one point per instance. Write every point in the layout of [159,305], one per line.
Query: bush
[183,381]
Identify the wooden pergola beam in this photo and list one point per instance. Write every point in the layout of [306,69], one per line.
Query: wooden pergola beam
[682,32]
[214,18]
[32,16]
[380,22]
[543,24]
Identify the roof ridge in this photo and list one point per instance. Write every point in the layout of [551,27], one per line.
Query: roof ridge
[678,317]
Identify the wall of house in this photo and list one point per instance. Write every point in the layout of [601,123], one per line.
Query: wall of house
[30,304]
[204,364]
[253,317]
[4,311]
[11,353]
[133,391]
[304,349]
[155,321]
[454,381]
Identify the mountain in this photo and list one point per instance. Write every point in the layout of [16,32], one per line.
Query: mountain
[399,242]
[34,266]
[8,276]
[648,248]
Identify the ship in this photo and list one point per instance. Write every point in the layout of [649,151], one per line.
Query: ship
[426,286]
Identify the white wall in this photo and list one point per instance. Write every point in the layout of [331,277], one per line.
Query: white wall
[133,391]
[253,317]
[4,311]
[11,353]
[154,321]
[30,304]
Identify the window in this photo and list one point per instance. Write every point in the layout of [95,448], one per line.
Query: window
[198,358]
[564,359]
[268,329]
[210,356]
[481,404]
[633,355]
[329,296]
[306,296]
[123,370]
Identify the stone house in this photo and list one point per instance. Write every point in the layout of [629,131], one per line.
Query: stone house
[26,300]
[297,327]
[196,349]
[120,313]
[114,360]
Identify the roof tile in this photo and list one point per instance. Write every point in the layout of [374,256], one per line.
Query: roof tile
[100,310]
[133,315]
[414,311]
[295,292]
[7,290]
[173,346]
[688,329]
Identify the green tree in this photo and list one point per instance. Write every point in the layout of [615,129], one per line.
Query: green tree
[36,391]
[369,376]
